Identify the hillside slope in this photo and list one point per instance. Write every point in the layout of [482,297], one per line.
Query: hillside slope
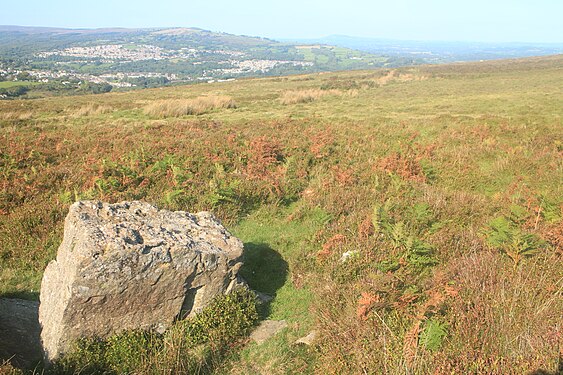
[412,217]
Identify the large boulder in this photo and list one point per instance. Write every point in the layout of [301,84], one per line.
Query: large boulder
[132,266]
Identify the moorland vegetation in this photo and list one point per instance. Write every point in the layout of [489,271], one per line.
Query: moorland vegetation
[441,184]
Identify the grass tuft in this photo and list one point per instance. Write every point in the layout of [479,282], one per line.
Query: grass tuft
[16,115]
[181,107]
[306,96]
[91,109]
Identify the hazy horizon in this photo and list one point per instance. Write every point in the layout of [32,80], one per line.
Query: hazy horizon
[438,20]
[285,39]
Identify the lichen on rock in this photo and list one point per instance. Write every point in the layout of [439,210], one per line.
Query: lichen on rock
[132,266]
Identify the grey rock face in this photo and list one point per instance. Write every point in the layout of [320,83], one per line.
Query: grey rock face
[132,266]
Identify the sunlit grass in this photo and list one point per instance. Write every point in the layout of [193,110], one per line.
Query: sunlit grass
[182,107]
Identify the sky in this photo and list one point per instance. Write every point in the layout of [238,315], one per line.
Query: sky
[448,20]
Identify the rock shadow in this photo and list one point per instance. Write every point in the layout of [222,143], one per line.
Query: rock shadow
[21,295]
[264,270]
[20,341]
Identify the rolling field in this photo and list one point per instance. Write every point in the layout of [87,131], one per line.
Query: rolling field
[442,185]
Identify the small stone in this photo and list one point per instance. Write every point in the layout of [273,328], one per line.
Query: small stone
[263,297]
[307,340]
[349,255]
[267,329]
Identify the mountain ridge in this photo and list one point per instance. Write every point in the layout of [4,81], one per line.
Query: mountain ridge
[436,51]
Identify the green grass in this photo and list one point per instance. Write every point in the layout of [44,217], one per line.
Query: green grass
[6,84]
[440,152]
[273,240]
[195,345]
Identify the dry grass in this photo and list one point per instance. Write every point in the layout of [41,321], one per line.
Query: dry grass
[182,107]
[511,316]
[310,95]
[91,109]
[14,115]
[395,76]
[7,369]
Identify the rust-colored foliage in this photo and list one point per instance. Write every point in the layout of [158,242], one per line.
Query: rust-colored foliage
[365,304]
[320,142]
[554,235]
[407,162]
[366,228]
[436,297]
[342,176]
[410,342]
[331,244]
[262,154]
[451,291]
[405,300]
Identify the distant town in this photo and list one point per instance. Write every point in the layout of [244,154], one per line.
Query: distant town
[234,62]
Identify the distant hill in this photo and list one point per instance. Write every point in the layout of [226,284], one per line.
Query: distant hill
[61,60]
[439,51]
[38,61]
[57,30]
[48,38]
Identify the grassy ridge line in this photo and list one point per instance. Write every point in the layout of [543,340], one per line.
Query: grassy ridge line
[443,184]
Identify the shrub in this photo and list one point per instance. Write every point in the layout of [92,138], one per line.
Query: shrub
[15,91]
[505,236]
[228,318]
[433,334]
[187,347]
